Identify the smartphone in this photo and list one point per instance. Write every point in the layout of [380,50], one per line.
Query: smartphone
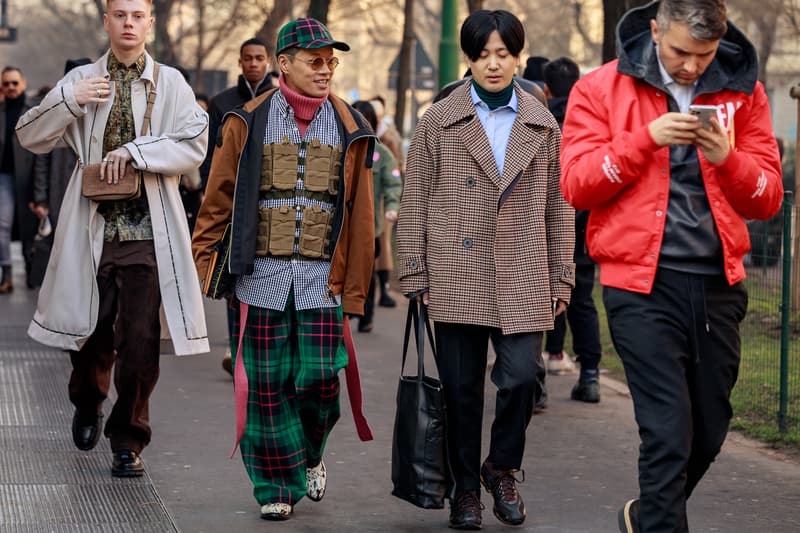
[704,113]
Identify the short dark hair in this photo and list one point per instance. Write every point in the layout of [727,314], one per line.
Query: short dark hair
[11,68]
[479,25]
[560,75]
[707,19]
[183,71]
[366,109]
[255,41]
[74,63]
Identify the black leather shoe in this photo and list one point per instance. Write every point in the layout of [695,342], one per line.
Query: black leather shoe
[386,301]
[86,429]
[127,464]
[502,485]
[586,390]
[465,510]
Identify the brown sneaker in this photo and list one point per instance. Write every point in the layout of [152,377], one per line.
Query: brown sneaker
[6,287]
[502,485]
[465,510]
[227,362]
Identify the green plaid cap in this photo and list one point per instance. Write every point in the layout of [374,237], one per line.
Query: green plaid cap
[306,33]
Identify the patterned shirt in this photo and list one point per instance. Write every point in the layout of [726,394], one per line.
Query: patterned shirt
[130,219]
[273,277]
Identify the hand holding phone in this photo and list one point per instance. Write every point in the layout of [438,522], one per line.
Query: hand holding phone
[705,113]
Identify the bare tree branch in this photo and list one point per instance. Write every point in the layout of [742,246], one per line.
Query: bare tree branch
[276,17]
[578,11]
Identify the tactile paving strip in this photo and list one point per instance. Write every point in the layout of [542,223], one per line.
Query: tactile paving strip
[46,485]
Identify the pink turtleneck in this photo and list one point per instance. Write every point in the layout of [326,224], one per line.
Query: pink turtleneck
[304,107]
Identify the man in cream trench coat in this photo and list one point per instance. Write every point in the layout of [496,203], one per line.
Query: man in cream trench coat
[70,297]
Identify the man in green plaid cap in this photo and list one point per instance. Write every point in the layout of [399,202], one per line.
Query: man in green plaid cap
[292,174]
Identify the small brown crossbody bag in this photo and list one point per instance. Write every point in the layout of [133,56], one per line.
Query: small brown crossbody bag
[130,184]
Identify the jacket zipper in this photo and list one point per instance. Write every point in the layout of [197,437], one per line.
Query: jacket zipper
[238,166]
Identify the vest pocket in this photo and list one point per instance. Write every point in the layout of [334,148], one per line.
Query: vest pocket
[266,168]
[282,223]
[284,166]
[315,231]
[318,166]
[262,238]
[336,165]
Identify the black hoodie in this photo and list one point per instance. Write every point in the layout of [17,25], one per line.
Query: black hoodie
[223,102]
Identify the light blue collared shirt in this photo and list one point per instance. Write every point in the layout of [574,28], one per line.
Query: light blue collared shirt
[683,94]
[497,124]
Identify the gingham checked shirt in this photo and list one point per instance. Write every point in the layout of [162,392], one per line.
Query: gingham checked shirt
[272,278]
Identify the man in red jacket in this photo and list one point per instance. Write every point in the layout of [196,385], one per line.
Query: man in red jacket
[668,197]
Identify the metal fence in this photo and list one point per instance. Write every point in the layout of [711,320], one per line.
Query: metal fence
[766,399]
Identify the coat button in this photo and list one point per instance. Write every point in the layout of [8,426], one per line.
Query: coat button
[470,182]
[412,264]
[467,242]
[659,213]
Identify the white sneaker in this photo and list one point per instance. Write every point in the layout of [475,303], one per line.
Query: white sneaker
[558,364]
[276,511]
[316,479]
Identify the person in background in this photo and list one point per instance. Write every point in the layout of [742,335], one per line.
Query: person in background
[534,70]
[388,186]
[668,196]
[489,266]
[254,81]
[559,77]
[114,262]
[384,262]
[49,185]
[292,175]
[17,173]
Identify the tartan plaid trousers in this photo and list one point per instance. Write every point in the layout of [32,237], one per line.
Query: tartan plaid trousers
[292,359]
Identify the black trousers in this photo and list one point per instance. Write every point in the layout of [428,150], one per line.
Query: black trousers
[582,317]
[127,339]
[680,346]
[369,303]
[461,362]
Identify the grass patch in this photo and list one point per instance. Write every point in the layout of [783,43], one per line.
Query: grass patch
[756,396]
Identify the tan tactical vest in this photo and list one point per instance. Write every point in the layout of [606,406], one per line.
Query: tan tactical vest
[278,227]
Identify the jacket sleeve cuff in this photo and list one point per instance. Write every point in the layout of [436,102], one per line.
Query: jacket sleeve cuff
[352,305]
[562,281]
[641,146]
[412,273]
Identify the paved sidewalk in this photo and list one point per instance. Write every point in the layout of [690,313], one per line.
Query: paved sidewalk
[580,463]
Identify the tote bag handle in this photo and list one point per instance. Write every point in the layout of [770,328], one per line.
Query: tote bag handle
[417,313]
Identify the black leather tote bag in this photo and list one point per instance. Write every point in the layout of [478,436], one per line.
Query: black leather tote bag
[420,466]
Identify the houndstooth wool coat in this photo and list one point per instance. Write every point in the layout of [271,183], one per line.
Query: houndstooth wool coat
[492,250]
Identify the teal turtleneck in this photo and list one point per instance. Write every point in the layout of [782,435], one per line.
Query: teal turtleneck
[494,100]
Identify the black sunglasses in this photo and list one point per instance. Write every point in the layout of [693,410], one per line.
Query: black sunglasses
[7,83]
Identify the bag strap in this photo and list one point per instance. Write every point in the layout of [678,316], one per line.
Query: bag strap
[151,99]
[417,314]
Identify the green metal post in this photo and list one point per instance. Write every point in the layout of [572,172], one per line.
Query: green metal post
[786,309]
[448,46]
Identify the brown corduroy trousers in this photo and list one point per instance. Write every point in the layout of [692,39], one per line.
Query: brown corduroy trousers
[127,334]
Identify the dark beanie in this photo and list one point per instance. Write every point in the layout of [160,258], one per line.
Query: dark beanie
[534,68]
[72,63]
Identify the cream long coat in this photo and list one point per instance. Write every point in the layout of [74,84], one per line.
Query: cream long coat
[492,250]
[66,313]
